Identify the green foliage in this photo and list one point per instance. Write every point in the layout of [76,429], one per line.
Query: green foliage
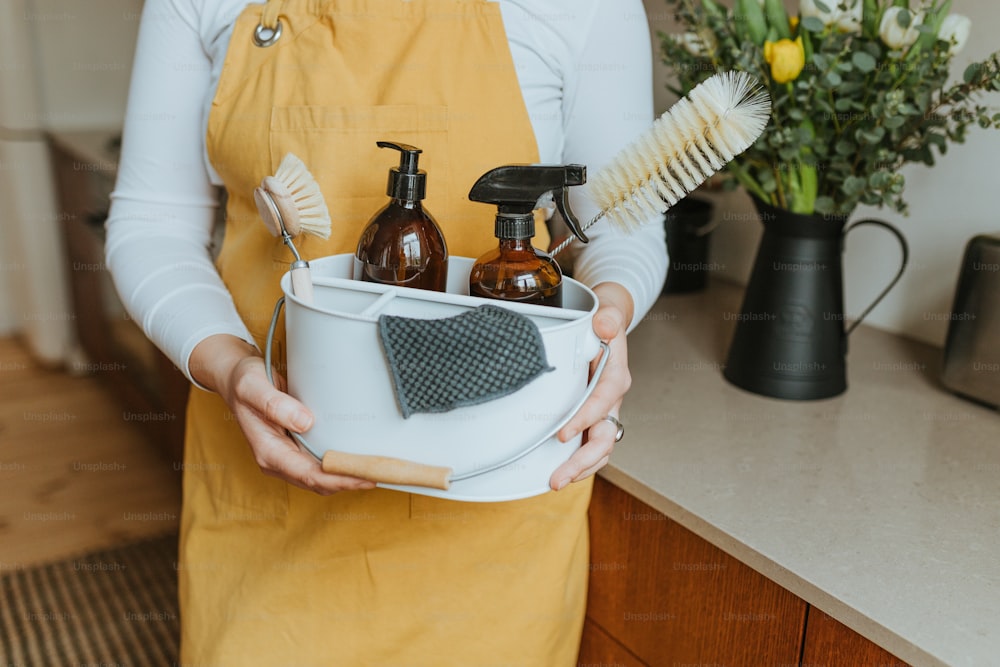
[859,110]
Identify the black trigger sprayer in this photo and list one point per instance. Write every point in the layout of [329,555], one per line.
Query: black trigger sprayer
[516,271]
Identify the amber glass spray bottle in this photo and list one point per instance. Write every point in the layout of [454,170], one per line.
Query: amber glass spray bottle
[515,270]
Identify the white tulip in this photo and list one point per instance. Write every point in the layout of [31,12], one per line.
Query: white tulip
[693,44]
[955,29]
[895,35]
[847,18]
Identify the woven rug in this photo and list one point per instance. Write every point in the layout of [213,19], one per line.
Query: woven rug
[111,608]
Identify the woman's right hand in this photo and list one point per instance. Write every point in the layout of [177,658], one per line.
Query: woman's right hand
[235,370]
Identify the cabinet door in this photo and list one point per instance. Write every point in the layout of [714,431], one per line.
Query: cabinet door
[830,642]
[598,649]
[671,597]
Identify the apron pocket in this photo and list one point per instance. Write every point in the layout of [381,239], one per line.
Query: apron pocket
[334,141]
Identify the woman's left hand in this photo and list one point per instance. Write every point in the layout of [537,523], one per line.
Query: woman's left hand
[611,321]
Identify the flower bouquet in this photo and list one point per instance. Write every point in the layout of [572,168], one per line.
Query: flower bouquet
[858,87]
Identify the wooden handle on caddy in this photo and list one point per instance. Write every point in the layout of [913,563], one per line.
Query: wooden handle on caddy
[386,470]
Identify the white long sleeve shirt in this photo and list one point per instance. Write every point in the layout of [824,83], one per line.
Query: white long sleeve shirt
[585,70]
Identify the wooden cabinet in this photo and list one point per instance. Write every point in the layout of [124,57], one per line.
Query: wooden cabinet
[830,642]
[599,649]
[151,391]
[662,596]
[672,598]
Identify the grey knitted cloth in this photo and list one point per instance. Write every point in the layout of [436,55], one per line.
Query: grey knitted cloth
[438,365]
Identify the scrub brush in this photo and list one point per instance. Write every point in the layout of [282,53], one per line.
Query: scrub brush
[297,198]
[290,202]
[719,119]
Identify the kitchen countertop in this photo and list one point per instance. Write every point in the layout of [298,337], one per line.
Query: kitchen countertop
[881,506]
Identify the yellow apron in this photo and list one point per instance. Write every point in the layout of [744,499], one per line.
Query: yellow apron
[273,575]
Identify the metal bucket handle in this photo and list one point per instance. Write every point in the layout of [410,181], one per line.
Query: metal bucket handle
[389,470]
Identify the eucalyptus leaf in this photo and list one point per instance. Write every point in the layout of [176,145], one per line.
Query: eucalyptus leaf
[850,89]
[879,179]
[844,104]
[872,136]
[812,24]
[845,147]
[825,205]
[864,61]
[894,122]
[854,185]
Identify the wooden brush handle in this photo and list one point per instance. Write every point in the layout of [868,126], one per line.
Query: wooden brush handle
[302,286]
[386,470]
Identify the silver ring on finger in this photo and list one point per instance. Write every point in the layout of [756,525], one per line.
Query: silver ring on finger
[618,425]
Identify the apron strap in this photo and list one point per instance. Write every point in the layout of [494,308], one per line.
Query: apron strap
[268,31]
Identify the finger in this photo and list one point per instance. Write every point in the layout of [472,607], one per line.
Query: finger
[608,322]
[277,455]
[589,458]
[606,397]
[277,407]
[593,470]
[304,471]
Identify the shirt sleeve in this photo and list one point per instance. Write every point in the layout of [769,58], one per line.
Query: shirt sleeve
[608,103]
[163,207]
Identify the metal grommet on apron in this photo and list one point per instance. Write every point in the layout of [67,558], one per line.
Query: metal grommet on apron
[268,31]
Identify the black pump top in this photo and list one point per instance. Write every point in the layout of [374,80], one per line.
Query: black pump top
[519,189]
[406,182]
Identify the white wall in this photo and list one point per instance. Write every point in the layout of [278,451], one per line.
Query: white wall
[85,59]
[949,204]
[81,58]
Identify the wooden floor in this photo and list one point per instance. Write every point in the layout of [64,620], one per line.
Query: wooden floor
[74,475]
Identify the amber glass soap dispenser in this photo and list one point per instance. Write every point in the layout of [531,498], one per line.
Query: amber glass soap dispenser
[402,244]
[517,271]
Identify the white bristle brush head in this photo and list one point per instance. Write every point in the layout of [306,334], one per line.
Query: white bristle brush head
[719,119]
[298,198]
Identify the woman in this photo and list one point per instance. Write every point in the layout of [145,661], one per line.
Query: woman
[281,563]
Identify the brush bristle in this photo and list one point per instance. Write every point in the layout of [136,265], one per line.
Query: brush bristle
[719,119]
[314,217]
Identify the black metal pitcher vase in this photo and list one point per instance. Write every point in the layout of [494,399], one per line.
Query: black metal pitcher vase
[790,341]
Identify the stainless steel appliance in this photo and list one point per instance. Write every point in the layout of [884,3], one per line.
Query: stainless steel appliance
[972,349]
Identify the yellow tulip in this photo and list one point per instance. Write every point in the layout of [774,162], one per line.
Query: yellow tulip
[786,58]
